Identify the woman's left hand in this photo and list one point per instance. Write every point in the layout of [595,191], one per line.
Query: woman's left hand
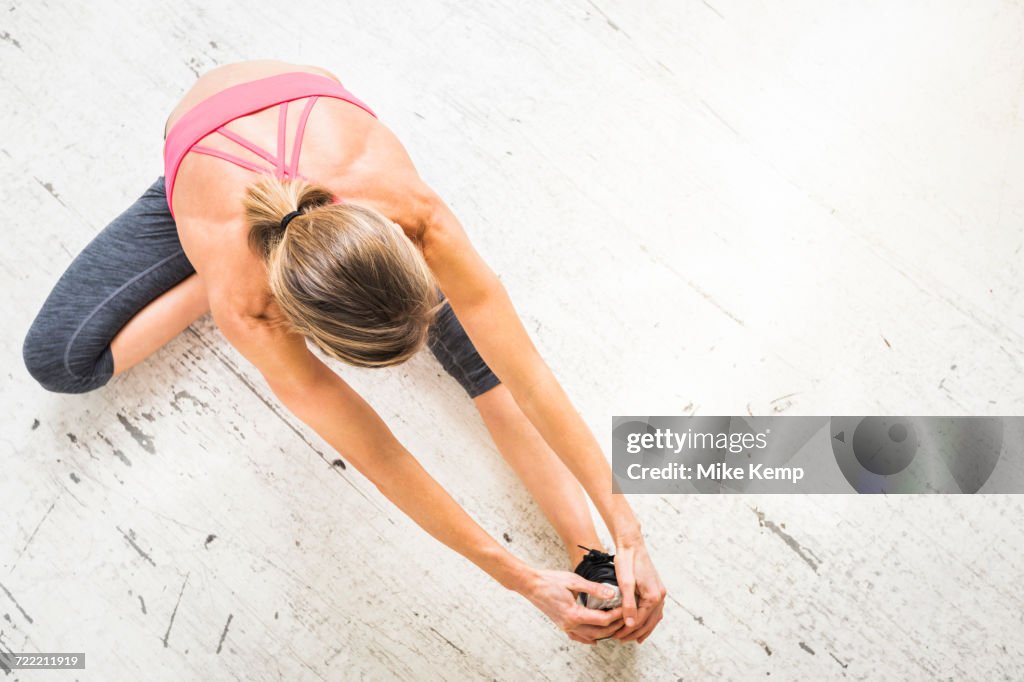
[643,594]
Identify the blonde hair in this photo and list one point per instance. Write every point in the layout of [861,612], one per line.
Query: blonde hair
[344,275]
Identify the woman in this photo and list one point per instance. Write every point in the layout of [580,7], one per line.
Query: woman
[334,238]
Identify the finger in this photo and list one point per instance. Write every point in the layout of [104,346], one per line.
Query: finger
[609,616]
[578,584]
[643,614]
[651,592]
[642,634]
[582,640]
[627,585]
[646,627]
[640,640]
[650,599]
[585,616]
[598,633]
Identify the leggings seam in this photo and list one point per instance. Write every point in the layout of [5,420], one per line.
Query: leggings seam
[81,326]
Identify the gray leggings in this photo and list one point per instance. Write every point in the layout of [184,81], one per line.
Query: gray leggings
[129,263]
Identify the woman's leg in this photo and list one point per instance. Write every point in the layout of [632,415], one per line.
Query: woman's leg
[131,262]
[548,480]
[164,318]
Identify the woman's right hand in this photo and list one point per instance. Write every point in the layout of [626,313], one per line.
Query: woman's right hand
[554,593]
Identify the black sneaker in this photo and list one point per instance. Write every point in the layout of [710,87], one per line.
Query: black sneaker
[598,567]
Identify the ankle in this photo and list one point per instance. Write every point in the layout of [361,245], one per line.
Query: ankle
[576,552]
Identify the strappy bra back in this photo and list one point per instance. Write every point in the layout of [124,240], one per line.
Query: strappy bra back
[214,113]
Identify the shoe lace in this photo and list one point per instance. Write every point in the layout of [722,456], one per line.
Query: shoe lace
[597,566]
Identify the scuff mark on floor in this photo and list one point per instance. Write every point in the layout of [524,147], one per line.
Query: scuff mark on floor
[82,444]
[7,653]
[185,395]
[16,604]
[131,541]
[698,619]
[167,635]
[49,188]
[807,649]
[713,9]
[224,634]
[6,36]
[845,665]
[143,439]
[804,553]
[117,451]
[448,641]
[143,604]
[779,406]
[611,24]
[33,535]
[721,119]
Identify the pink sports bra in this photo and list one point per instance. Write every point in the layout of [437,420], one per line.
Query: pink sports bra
[216,111]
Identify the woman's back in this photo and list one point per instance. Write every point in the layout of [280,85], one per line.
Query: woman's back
[344,147]
[223,77]
[341,146]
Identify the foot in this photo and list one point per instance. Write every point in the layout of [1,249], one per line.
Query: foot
[598,567]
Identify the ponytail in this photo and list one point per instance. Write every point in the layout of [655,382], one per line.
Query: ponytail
[270,200]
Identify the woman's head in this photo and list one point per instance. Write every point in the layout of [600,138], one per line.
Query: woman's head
[343,275]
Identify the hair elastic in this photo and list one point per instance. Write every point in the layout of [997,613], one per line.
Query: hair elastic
[288,218]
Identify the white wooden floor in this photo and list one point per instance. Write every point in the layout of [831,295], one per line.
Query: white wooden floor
[698,207]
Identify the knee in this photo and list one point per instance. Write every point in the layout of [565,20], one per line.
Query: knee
[46,358]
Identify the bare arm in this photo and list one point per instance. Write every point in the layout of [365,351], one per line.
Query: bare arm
[235,281]
[325,402]
[485,310]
